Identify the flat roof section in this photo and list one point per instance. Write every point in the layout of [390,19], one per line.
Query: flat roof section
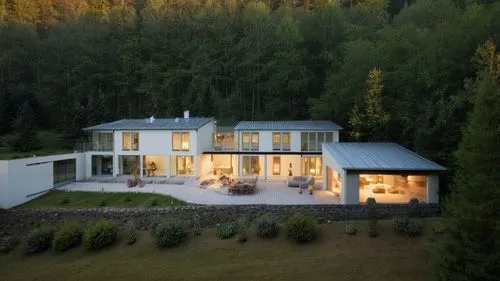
[378,156]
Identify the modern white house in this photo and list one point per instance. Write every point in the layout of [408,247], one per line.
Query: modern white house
[126,146]
[270,149]
[198,147]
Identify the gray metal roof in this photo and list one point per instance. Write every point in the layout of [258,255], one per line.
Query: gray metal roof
[158,124]
[317,125]
[378,156]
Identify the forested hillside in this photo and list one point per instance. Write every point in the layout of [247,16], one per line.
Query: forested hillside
[72,63]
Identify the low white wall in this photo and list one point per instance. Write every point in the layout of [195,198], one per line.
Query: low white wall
[24,179]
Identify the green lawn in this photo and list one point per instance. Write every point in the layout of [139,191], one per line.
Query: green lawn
[334,256]
[81,199]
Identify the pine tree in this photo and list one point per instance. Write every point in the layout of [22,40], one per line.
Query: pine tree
[24,126]
[471,248]
[371,125]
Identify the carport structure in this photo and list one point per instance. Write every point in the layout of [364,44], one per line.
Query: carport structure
[387,172]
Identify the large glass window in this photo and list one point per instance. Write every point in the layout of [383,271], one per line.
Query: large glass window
[185,141]
[250,141]
[276,141]
[392,188]
[128,165]
[285,139]
[102,165]
[311,141]
[281,141]
[304,141]
[276,166]
[184,165]
[64,171]
[312,165]
[130,141]
[251,165]
[180,141]
[245,139]
[126,141]
[255,141]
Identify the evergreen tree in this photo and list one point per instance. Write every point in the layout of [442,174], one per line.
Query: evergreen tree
[25,130]
[371,125]
[471,248]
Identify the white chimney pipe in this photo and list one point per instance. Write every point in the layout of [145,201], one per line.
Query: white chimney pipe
[186,114]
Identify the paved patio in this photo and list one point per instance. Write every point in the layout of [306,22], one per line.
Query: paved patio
[268,192]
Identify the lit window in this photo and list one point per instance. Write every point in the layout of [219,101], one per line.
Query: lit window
[255,141]
[176,141]
[285,139]
[185,141]
[276,141]
[130,141]
[276,166]
[245,138]
[126,141]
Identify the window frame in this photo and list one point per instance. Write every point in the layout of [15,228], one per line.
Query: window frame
[250,145]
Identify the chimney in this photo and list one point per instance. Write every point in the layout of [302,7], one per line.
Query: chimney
[186,114]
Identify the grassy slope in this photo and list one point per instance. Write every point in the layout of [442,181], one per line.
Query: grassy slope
[334,256]
[80,199]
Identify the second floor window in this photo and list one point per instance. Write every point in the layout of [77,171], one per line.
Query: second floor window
[311,141]
[130,141]
[250,141]
[180,141]
[281,141]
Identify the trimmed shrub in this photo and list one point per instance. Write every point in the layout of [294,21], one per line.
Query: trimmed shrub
[100,235]
[170,234]
[196,225]
[7,244]
[154,203]
[267,228]
[226,230]
[102,203]
[372,216]
[38,240]
[407,227]
[127,199]
[64,201]
[350,229]
[155,222]
[69,236]
[301,228]
[242,235]
[130,233]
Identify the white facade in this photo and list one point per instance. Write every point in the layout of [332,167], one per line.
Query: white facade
[24,179]
[157,143]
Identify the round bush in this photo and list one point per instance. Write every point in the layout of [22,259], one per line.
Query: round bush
[267,228]
[7,244]
[226,230]
[38,240]
[350,229]
[301,228]
[242,235]
[131,233]
[169,235]
[69,236]
[407,227]
[100,235]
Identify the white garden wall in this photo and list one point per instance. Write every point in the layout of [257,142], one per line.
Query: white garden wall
[24,179]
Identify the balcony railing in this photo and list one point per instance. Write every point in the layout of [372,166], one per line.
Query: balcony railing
[98,146]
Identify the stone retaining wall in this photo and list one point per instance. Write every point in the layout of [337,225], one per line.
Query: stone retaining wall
[20,221]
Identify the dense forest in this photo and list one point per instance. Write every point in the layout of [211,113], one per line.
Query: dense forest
[393,70]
